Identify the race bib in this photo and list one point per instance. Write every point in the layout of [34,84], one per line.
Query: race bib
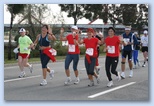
[126,40]
[53,51]
[71,48]
[111,49]
[145,41]
[90,51]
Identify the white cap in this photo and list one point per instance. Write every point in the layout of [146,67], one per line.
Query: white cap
[22,30]
[145,32]
[135,33]
[74,27]
[128,28]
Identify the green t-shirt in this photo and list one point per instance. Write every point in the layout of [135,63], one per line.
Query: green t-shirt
[24,42]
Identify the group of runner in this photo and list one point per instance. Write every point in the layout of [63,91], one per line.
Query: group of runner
[129,41]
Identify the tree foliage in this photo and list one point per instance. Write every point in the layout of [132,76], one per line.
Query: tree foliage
[14,9]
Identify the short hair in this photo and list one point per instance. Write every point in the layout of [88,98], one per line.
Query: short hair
[46,26]
[112,29]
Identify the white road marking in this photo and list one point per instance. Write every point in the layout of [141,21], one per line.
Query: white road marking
[17,79]
[110,90]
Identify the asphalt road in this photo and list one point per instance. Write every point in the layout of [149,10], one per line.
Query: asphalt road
[28,88]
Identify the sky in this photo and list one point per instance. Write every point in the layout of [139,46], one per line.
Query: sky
[55,9]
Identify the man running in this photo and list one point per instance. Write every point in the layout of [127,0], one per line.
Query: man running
[128,40]
[144,45]
[25,44]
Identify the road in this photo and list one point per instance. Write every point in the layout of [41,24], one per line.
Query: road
[136,88]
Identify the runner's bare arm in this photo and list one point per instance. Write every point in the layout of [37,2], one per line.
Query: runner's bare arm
[51,37]
[100,42]
[36,41]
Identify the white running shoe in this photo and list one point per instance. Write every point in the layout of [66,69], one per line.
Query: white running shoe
[118,77]
[51,74]
[77,81]
[134,67]
[110,84]
[31,68]
[91,83]
[22,74]
[143,65]
[68,81]
[98,80]
[139,64]
[131,74]
[44,82]
[123,75]
[97,71]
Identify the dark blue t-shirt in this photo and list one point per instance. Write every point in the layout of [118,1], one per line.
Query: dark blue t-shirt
[132,39]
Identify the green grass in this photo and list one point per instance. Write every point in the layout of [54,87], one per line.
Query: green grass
[6,61]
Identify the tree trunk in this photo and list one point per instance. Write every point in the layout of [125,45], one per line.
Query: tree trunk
[10,36]
[30,21]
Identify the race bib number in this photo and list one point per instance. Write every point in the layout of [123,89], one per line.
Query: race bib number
[111,49]
[145,41]
[90,51]
[53,51]
[71,48]
[126,40]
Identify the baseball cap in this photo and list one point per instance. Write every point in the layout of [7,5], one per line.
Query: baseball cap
[74,27]
[22,30]
[145,32]
[128,28]
[90,30]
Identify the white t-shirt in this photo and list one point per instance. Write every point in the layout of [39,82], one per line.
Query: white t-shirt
[144,40]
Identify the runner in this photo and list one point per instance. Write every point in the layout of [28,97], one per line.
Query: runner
[73,53]
[91,55]
[44,40]
[135,51]
[112,43]
[25,44]
[144,44]
[129,40]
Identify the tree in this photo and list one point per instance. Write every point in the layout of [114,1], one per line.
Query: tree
[33,14]
[14,9]
[73,10]
[142,19]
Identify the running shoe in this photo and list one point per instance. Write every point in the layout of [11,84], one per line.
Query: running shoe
[68,81]
[22,74]
[123,75]
[97,71]
[134,67]
[139,64]
[131,74]
[43,83]
[98,80]
[31,68]
[91,83]
[51,74]
[143,65]
[77,81]
[110,84]
[118,77]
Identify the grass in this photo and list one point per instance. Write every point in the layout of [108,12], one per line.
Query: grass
[6,61]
